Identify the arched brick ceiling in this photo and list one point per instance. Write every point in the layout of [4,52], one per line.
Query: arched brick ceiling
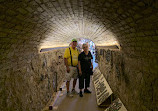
[53,23]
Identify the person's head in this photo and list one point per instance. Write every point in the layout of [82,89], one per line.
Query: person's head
[74,43]
[85,47]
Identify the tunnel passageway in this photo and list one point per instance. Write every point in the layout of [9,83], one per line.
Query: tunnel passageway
[28,77]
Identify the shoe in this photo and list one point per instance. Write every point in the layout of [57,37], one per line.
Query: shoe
[74,92]
[87,91]
[69,94]
[80,94]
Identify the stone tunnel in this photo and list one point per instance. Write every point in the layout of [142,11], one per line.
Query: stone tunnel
[27,26]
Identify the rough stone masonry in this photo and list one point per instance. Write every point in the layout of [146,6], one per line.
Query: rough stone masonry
[131,78]
[31,83]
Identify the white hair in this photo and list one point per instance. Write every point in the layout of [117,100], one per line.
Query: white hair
[84,44]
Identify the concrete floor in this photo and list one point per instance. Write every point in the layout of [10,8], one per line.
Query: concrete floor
[76,103]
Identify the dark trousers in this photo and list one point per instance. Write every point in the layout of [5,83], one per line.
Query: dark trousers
[85,76]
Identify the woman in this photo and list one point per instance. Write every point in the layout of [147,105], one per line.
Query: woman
[84,66]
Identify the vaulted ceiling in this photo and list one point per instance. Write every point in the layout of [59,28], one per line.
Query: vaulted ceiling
[53,23]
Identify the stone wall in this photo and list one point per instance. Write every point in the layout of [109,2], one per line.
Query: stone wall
[30,83]
[132,79]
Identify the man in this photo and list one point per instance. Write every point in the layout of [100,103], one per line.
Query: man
[71,62]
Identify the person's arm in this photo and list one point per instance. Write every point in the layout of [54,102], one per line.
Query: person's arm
[92,65]
[91,60]
[79,64]
[66,64]
[66,55]
[79,68]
